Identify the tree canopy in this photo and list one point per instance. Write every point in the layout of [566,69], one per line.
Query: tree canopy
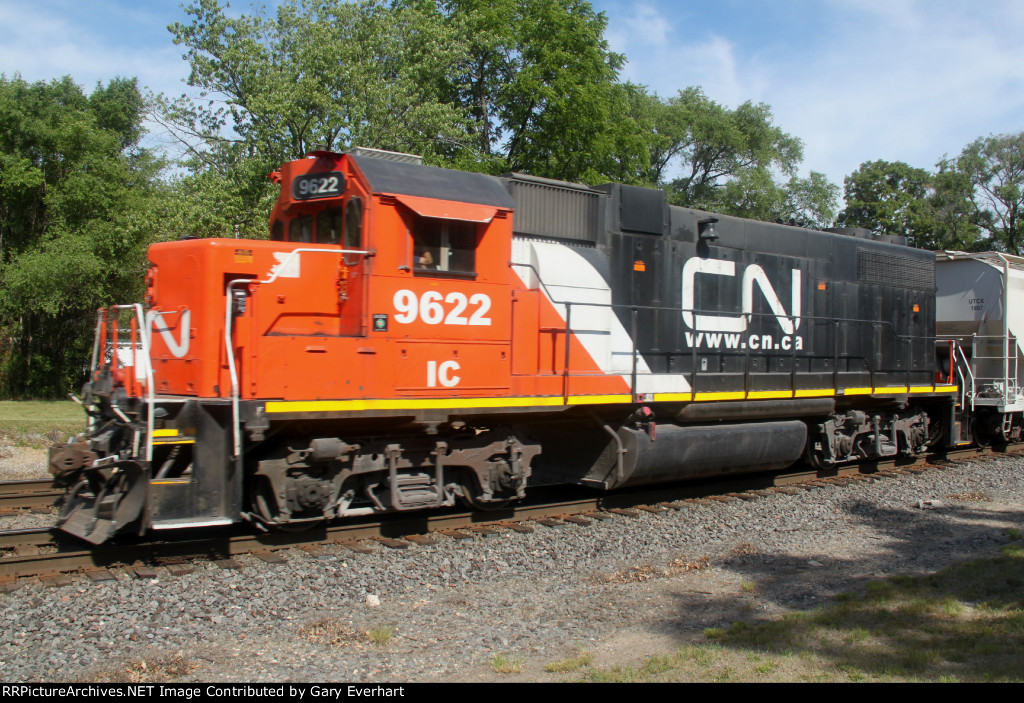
[890,198]
[504,85]
[509,85]
[973,201]
[714,145]
[535,81]
[76,211]
[989,176]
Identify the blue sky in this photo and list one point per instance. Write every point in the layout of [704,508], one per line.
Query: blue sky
[856,80]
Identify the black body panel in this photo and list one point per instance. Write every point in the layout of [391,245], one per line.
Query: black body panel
[763,307]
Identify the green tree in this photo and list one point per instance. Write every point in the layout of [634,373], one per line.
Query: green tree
[227,196]
[811,202]
[933,210]
[523,85]
[713,146]
[537,81]
[994,166]
[77,207]
[890,198]
[805,202]
[631,138]
[509,85]
[953,211]
[318,75]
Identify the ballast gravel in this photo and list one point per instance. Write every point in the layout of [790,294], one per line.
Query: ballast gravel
[620,588]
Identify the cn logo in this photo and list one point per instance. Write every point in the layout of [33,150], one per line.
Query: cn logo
[155,322]
[752,275]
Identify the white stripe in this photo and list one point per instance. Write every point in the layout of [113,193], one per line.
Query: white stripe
[569,277]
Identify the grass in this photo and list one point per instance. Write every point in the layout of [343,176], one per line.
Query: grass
[964,624]
[566,666]
[506,663]
[153,669]
[646,572]
[332,632]
[328,631]
[380,636]
[39,423]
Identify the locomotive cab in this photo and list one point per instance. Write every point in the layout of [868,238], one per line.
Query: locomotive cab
[372,294]
[317,204]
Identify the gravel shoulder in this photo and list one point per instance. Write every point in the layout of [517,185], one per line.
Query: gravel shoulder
[23,463]
[622,589]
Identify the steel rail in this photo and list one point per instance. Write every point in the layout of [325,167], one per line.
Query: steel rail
[45,552]
[33,493]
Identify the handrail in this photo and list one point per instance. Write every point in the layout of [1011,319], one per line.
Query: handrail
[966,374]
[143,340]
[1007,382]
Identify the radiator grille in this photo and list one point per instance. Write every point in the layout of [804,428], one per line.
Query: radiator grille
[881,269]
[549,209]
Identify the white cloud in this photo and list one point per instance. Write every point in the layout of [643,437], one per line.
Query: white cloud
[91,42]
[928,83]
[857,80]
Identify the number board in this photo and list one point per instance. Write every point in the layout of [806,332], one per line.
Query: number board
[318,185]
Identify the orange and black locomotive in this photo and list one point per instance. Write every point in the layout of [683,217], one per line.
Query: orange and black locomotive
[410,336]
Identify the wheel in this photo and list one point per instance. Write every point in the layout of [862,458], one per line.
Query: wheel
[987,428]
[471,495]
[264,506]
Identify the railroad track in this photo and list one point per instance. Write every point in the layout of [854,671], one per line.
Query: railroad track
[28,494]
[50,555]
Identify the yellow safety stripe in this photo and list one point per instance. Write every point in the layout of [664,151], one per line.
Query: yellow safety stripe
[307,406]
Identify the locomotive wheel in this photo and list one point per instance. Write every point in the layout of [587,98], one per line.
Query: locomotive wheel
[818,462]
[469,494]
[264,506]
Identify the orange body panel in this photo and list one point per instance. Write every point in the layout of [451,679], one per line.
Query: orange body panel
[319,322]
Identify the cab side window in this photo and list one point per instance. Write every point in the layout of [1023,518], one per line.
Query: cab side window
[447,246]
[354,223]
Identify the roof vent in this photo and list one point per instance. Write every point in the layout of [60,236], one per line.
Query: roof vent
[363,151]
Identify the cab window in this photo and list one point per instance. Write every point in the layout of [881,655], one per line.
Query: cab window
[354,223]
[446,246]
[328,226]
[300,229]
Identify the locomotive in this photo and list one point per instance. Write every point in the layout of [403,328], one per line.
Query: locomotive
[411,336]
